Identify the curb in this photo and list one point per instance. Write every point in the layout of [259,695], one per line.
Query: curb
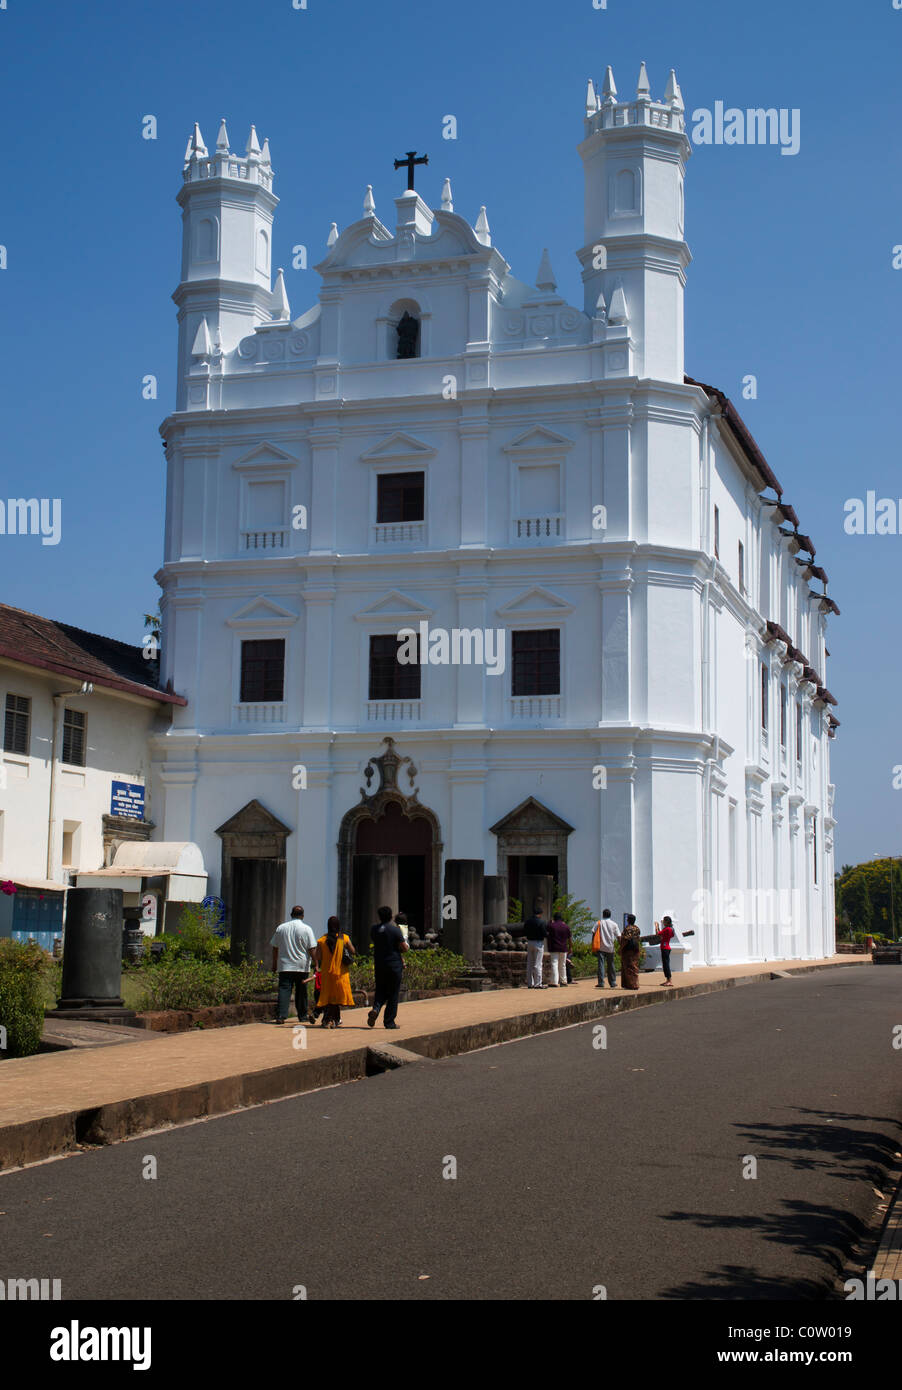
[51,1136]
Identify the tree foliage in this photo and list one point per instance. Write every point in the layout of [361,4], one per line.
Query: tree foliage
[869,897]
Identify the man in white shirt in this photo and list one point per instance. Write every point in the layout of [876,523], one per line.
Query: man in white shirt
[607,936]
[293,944]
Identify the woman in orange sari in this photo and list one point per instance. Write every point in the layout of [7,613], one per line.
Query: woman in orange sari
[335,987]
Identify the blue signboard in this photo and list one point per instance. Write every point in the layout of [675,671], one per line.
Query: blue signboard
[127,799]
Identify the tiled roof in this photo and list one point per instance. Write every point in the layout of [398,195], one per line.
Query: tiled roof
[84,656]
[741,431]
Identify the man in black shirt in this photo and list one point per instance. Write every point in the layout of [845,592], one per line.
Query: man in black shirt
[536,930]
[388,947]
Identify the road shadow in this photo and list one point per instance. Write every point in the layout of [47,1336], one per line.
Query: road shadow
[831,1144]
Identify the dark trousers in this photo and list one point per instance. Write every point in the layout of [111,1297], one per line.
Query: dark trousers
[388,987]
[665,963]
[606,963]
[288,980]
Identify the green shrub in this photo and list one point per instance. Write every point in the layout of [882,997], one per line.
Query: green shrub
[23,966]
[575,913]
[193,937]
[583,961]
[432,969]
[185,983]
[514,910]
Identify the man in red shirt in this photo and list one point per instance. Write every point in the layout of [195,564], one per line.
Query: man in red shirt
[664,934]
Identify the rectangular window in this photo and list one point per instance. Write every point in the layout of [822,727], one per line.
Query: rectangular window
[798,732]
[17,724]
[391,679]
[262,671]
[764,700]
[75,737]
[536,662]
[717,533]
[782,716]
[70,843]
[741,568]
[400,497]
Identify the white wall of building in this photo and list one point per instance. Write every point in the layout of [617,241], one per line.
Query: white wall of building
[118,729]
[516,395]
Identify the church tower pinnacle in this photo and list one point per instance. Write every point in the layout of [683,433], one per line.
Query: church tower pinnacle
[634,157]
[227,211]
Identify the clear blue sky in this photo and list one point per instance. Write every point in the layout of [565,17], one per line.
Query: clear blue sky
[792,276]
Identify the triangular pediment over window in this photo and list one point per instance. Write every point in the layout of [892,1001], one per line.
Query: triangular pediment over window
[398,446]
[530,816]
[535,603]
[393,605]
[265,455]
[539,440]
[262,612]
[253,819]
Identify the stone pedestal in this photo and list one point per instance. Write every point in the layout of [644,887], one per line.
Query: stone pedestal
[375,886]
[92,952]
[463,932]
[494,900]
[534,886]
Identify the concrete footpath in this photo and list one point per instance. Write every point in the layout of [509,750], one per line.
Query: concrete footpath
[55,1103]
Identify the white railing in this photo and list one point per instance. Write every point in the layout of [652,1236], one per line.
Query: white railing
[265,540]
[537,528]
[399,532]
[535,706]
[393,711]
[260,712]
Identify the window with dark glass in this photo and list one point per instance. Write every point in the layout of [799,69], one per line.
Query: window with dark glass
[262,671]
[408,336]
[75,737]
[798,732]
[536,662]
[400,497]
[391,679]
[782,716]
[814,843]
[17,724]
[741,568]
[717,533]
[764,700]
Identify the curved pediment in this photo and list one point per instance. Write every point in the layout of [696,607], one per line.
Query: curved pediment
[351,247]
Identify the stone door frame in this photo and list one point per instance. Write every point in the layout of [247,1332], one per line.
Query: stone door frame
[372,806]
[252,833]
[532,829]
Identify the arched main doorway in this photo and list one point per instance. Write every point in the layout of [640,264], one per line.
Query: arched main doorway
[390,851]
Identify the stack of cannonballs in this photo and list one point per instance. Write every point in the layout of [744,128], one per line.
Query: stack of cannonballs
[500,939]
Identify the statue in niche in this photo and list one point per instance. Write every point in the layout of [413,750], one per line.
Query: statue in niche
[408,336]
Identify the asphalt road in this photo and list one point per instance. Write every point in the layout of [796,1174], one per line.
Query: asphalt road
[577,1167]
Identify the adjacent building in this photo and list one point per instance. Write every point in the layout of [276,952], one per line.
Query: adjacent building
[78,711]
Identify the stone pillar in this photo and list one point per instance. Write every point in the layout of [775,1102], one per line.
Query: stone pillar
[463,932]
[534,886]
[92,955]
[494,900]
[375,885]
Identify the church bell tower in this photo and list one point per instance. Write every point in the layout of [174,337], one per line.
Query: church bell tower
[634,261]
[225,291]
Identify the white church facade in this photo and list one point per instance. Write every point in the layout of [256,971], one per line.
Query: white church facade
[617,628]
